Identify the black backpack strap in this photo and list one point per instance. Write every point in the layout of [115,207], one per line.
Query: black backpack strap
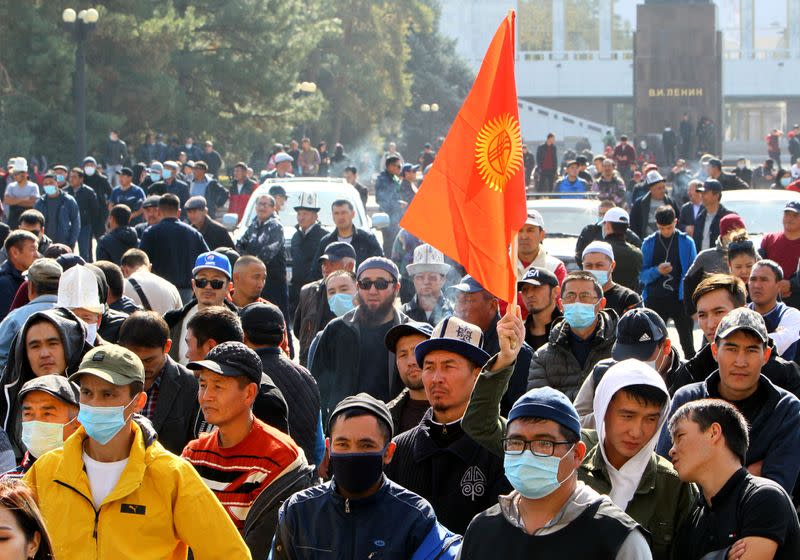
[140,291]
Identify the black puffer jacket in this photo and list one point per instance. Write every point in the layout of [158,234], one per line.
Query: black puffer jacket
[554,365]
[300,390]
[113,245]
[18,369]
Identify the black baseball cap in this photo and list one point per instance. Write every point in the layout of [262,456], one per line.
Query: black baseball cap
[56,385]
[231,359]
[405,329]
[337,251]
[126,171]
[262,318]
[366,402]
[538,277]
[639,332]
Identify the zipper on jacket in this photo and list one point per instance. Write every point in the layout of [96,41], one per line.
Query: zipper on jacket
[347,505]
[91,503]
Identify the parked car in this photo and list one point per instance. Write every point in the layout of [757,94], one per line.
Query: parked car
[327,189]
[564,218]
[760,209]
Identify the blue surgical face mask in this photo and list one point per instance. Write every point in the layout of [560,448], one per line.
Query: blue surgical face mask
[61,178]
[102,423]
[785,181]
[601,275]
[155,177]
[341,303]
[50,190]
[579,315]
[167,174]
[532,476]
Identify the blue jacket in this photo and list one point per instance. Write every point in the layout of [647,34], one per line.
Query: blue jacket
[686,249]
[774,437]
[578,186]
[66,229]
[393,523]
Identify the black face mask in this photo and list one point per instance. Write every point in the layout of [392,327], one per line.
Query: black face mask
[356,472]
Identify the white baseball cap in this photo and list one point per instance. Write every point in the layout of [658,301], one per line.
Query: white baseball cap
[535,218]
[617,215]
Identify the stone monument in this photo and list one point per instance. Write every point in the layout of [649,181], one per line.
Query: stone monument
[677,66]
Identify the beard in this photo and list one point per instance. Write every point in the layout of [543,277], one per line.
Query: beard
[376,316]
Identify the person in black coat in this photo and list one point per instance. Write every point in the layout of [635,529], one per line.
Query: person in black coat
[729,181]
[264,330]
[173,246]
[529,161]
[711,192]
[171,389]
[120,236]
[642,208]
[213,232]
[89,210]
[594,232]
[363,241]
[102,188]
[304,245]
[437,459]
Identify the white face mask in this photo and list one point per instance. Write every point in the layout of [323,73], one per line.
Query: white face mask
[89,170]
[91,332]
[41,437]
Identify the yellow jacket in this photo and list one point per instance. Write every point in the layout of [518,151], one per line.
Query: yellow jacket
[159,507]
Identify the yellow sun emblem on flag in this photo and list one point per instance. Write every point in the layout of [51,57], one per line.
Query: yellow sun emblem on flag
[498,151]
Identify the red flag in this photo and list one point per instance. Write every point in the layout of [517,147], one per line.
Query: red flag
[472,201]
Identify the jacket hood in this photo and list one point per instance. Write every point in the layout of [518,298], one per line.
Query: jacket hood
[126,234]
[625,480]
[73,337]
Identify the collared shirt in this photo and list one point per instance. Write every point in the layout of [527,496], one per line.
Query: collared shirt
[745,506]
[149,409]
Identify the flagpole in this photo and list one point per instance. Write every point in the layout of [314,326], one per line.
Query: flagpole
[512,303]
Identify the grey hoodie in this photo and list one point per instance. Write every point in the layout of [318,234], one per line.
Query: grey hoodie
[18,369]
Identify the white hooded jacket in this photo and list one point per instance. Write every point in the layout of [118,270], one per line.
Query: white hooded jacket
[625,481]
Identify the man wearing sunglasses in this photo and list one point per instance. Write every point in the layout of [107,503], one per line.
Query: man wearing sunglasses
[211,283]
[351,356]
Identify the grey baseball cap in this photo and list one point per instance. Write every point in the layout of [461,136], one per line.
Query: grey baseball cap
[745,319]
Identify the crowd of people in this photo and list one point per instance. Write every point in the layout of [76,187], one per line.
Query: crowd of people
[168,388]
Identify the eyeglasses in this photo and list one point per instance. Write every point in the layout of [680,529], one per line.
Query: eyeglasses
[215,284]
[380,284]
[585,297]
[539,447]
